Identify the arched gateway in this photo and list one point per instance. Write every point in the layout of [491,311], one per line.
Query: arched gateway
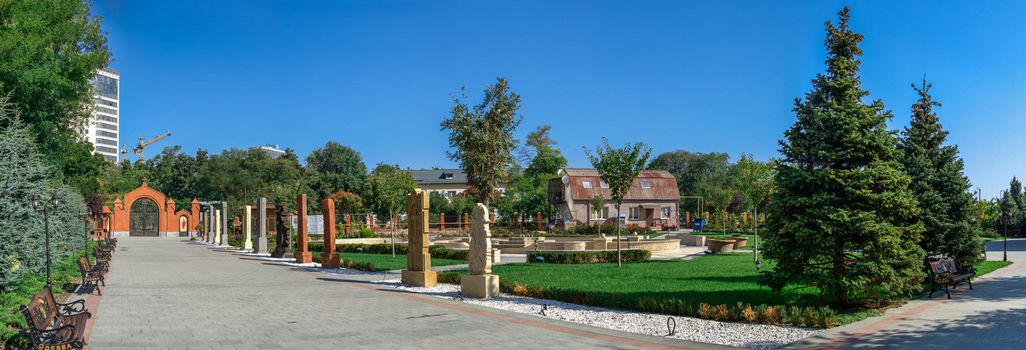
[144,212]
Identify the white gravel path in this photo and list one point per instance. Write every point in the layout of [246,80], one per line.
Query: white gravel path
[745,335]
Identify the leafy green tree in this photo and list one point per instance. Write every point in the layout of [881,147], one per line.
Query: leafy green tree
[838,220]
[596,203]
[1016,221]
[50,51]
[389,187]
[699,174]
[347,202]
[939,185]
[336,168]
[1008,212]
[482,139]
[618,167]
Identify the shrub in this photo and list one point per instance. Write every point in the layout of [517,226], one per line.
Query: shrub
[590,257]
[749,314]
[366,233]
[449,277]
[359,265]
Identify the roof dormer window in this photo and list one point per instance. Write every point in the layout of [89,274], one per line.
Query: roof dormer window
[448,176]
[586,183]
[646,184]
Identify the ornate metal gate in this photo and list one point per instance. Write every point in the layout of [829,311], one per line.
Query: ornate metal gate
[144,218]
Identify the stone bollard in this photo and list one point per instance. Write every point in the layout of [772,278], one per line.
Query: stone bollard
[480,283]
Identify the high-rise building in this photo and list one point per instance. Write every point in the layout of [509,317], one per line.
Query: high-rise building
[102,129]
[273,150]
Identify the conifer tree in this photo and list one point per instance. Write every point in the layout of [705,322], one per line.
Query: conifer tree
[939,185]
[838,220]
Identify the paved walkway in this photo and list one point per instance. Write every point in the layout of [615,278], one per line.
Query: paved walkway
[991,316]
[170,293]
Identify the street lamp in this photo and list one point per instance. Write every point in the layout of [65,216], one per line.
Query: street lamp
[39,204]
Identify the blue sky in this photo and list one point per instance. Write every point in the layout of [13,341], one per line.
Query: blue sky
[701,76]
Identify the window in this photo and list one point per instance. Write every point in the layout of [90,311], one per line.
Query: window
[586,183]
[107,142]
[634,213]
[603,184]
[106,103]
[106,149]
[106,134]
[448,176]
[450,194]
[106,86]
[666,212]
[107,110]
[111,127]
[646,184]
[106,118]
[600,212]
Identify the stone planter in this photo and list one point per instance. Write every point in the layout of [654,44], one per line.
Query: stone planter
[739,242]
[720,246]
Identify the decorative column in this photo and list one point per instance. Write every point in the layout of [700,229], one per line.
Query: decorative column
[466,222]
[347,225]
[247,228]
[303,255]
[260,246]
[329,259]
[481,283]
[217,227]
[418,259]
[538,222]
[441,222]
[224,223]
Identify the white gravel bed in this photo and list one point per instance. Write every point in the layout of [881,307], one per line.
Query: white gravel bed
[745,335]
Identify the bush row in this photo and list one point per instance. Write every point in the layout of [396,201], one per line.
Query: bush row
[350,264]
[821,317]
[589,257]
[436,251]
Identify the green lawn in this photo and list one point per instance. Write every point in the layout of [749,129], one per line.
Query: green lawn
[385,262]
[989,266]
[714,279]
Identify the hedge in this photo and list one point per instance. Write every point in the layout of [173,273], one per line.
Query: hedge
[436,251]
[589,257]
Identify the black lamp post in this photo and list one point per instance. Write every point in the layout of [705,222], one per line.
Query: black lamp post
[39,204]
[85,243]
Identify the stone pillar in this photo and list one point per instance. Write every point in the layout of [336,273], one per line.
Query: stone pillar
[441,222]
[260,243]
[481,283]
[247,228]
[347,224]
[224,223]
[491,218]
[418,259]
[303,255]
[466,222]
[537,221]
[329,259]
[687,219]
[216,227]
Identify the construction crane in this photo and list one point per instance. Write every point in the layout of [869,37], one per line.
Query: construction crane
[138,150]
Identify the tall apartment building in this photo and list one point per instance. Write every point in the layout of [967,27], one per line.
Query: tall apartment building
[102,129]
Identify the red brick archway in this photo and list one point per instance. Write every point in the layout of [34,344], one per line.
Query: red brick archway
[168,222]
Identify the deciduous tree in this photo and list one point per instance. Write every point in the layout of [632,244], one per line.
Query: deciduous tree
[618,167]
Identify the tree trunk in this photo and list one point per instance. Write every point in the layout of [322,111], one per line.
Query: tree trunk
[619,261]
[391,220]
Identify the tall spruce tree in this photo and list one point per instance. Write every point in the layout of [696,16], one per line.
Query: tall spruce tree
[838,220]
[939,185]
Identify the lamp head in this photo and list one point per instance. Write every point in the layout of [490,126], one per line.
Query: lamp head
[35,201]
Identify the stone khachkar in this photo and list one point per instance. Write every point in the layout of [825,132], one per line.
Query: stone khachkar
[418,259]
[247,229]
[480,283]
[329,258]
[224,223]
[217,227]
[303,255]
[210,224]
[283,248]
[260,241]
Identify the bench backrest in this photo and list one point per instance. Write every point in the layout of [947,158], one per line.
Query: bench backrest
[944,265]
[83,264]
[41,310]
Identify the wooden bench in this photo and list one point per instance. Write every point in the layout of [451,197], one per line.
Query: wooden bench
[91,274]
[102,257]
[945,273]
[55,326]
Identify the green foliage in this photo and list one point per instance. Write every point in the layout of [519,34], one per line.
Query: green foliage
[336,168]
[1012,216]
[839,217]
[942,190]
[50,51]
[697,174]
[436,251]
[389,186]
[589,257]
[618,167]
[347,202]
[482,139]
[22,240]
